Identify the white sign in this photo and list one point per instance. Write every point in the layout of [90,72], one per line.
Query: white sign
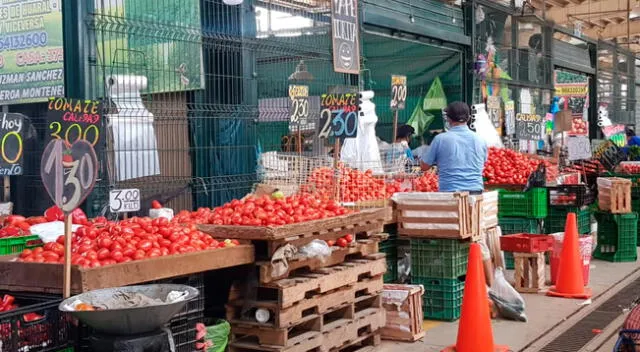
[579,147]
[124,200]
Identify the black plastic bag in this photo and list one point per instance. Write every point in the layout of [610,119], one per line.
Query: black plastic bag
[538,178]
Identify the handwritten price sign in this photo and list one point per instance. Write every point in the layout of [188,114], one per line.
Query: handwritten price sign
[12,128]
[398,92]
[75,119]
[579,148]
[299,108]
[528,127]
[609,155]
[339,115]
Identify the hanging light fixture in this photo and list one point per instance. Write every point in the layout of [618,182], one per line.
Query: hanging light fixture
[232,2]
[301,73]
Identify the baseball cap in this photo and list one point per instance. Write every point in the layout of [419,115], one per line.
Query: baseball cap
[458,111]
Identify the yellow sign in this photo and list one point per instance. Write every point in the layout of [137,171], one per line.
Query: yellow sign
[572,90]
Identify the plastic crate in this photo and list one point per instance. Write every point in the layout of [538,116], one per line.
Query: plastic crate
[526,243]
[531,204]
[438,258]
[617,237]
[11,245]
[570,196]
[510,226]
[442,298]
[52,333]
[509,262]
[390,249]
[557,218]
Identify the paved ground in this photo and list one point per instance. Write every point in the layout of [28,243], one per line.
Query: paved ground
[545,315]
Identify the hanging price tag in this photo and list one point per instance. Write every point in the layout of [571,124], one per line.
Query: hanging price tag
[124,200]
[578,148]
[398,92]
[68,172]
[609,155]
[339,115]
[299,108]
[528,127]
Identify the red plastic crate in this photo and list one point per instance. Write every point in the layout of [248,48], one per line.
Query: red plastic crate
[526,243]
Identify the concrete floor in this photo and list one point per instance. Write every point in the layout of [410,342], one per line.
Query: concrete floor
[546,316]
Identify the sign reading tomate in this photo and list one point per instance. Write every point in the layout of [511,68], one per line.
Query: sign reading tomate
[75,119]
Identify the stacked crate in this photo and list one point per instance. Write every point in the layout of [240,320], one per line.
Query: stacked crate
[521,212]
[330,304]
[617,223]
[635,194]
[390,248]
[440,228]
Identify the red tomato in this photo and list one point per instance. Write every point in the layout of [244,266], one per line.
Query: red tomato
[156,205]
[341,242]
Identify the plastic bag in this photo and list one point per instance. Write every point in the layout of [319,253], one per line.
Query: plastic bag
[538,178]
[509,302]
[219,335]
[484,127]
[435,99]
[420,120]
[317,248]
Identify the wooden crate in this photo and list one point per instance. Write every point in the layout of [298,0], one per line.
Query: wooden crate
[357,249]
[492,237]
[437,215]
[403,305]
[268,239]
[47,278]
[315,304]
[614,195]
[530,274]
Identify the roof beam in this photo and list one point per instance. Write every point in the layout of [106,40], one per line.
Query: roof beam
[607,8]
[614,30]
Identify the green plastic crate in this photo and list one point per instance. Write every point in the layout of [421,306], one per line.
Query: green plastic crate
[442,298]
[390,249]
[68,349]
[13,245]
[617,237]
[510,226]
[557,219]
[531,204]
[438,258]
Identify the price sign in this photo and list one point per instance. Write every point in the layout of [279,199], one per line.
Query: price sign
[578,148]
[339,115]
[609,155]
[12,130]
[68,172]
[124,200]
[528,127]
[75,119]
[510,117]
[495,113]
[299,108]
[398,92]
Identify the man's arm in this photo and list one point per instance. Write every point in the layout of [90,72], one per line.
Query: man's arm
[428,159]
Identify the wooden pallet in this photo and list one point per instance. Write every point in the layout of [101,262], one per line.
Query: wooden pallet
[614,195]
[340,333]
[303,330]
[295,289]
[358,249]
[365,343]
[530,275]
[319,304]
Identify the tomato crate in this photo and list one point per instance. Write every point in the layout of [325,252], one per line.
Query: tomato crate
[526,243]
[438,258]
[11,245]
[442,298]
[36,324]
[557,219]
[570,195]
[531,204]
[510,226]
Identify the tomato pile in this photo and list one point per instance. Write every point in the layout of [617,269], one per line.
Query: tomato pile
[630,168]
[103,243]
[7,303]
[355,185]
[505,166]
[579,126]
[428,182]
[342,242]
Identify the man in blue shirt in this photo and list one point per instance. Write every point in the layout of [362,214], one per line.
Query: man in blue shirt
[632,140]
[460,153]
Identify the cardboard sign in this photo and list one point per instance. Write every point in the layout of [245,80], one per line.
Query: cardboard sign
[529,127]
[495,112]
[75,119]
[563,121]
[339,115]
[124,200]
[344,33]
[579,148]
[509,117]
[609,155]
[398,92]
[12,131]
[68,172]
[299,108]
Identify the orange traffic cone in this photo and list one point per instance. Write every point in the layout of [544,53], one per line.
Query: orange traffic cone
[569,283]
[474,331]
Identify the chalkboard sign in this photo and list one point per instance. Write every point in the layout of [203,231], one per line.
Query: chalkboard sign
[75,119]
[13,128]
[528,127]
[68,172]
[398,92]
[609,155]
[339,115]
[299,108]
[344,33]
[578,148]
